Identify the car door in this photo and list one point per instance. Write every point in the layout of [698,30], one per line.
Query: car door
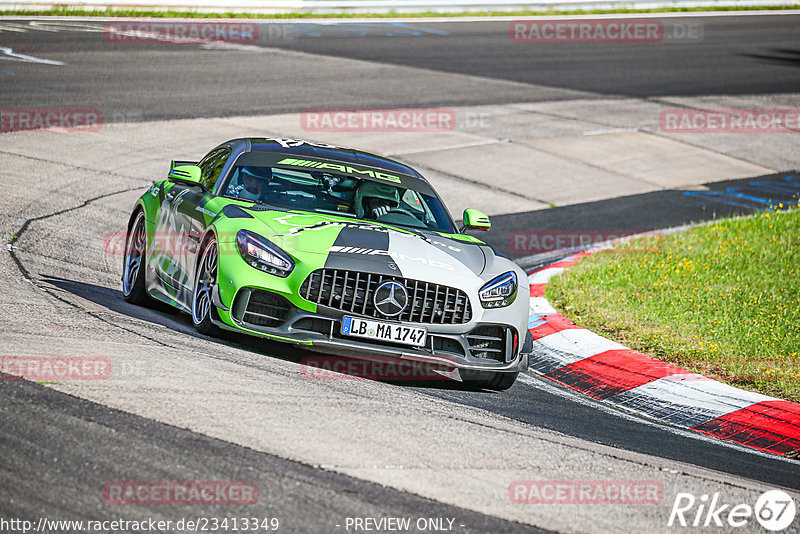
[180,223]
[194,211]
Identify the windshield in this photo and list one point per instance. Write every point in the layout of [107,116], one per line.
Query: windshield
[337,194]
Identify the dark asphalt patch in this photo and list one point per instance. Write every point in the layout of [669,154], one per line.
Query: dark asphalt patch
[59,452]
[525,234]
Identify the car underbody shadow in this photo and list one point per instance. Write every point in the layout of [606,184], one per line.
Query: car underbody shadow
[314,365]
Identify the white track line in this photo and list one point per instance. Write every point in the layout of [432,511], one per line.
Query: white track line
[578,344]
[687,399]
[544,276]
[551,388]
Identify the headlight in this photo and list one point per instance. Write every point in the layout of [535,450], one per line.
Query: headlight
[500,291]
[263,255]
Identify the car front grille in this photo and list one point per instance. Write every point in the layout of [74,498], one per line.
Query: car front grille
[487,342]
[353,291]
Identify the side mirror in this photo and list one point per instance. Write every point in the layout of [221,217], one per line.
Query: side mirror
[476,220]
[185,174]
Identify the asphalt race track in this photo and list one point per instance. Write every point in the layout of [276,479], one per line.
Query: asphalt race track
[184,407]
[735,55]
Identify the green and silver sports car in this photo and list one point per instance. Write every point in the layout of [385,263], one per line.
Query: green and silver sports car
[330,248]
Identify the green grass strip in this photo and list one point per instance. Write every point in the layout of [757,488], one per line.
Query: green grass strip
[722,299]
[426,14]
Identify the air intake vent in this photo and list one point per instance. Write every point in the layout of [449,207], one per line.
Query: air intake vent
[261,308]
[488,342]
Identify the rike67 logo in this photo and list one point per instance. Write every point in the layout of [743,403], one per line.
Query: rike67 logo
[774,510]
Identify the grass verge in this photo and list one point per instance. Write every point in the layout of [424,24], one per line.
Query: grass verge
[722,300]
[427,14]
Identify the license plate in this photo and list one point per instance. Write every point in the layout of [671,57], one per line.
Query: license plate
[380,331]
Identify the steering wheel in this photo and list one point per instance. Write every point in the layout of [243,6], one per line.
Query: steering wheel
[404,213]
[401,211]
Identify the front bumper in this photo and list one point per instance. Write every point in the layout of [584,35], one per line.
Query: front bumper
[317,327]
[447,345]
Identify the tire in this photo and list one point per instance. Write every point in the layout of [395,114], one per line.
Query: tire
[502,381]
[204,280]
[134,263]
[488,380]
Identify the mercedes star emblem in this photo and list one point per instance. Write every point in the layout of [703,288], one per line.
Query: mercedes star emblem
[390,298]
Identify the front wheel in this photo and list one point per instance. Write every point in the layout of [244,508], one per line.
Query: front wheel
[488,379]
[204,281]
[135,263]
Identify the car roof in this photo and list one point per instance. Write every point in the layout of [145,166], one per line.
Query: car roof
[300,147]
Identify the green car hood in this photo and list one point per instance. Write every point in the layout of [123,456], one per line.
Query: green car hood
[363,246]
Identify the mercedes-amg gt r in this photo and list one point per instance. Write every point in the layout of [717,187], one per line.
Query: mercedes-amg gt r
[334,249]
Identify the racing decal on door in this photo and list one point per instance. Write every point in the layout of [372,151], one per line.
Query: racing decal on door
[165,254]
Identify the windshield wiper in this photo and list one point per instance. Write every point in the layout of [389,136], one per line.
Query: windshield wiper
[340,213]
